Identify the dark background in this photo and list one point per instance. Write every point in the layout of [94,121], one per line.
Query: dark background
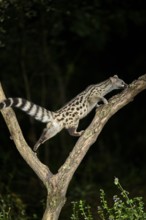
[49,52]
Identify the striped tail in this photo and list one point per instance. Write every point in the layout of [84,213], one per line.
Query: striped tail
[37,112]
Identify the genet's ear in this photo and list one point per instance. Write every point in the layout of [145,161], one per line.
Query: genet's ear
[114,78]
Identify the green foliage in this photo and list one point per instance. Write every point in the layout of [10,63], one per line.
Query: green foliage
[123,207]
[11,206]
[81,210]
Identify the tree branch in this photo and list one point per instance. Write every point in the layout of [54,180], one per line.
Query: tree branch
[103,114]
[29,156]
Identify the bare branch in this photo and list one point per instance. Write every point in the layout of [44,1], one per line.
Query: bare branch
[29,156]
[103,114]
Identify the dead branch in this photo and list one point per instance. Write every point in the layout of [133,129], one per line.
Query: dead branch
[28,155]
[103,114]
[57,184]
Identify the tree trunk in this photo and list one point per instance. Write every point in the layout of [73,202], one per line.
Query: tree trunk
[54,204]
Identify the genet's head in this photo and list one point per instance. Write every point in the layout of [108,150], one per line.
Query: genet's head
[117,82]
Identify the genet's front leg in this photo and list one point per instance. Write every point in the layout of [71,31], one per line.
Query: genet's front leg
[104,100]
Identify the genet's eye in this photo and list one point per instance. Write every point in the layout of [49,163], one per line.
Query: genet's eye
[123,84]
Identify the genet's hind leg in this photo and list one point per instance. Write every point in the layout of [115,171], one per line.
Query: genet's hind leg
[50,131]
[73,130]
[41,140]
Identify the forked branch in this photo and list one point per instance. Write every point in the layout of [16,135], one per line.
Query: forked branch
[57,184]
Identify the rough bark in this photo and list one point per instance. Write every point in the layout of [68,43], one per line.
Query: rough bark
[58,183]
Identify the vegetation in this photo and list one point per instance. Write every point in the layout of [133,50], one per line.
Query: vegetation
[123,207]
[11,206]
[49,52]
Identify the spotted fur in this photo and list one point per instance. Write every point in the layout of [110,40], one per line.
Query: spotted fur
[69,115]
